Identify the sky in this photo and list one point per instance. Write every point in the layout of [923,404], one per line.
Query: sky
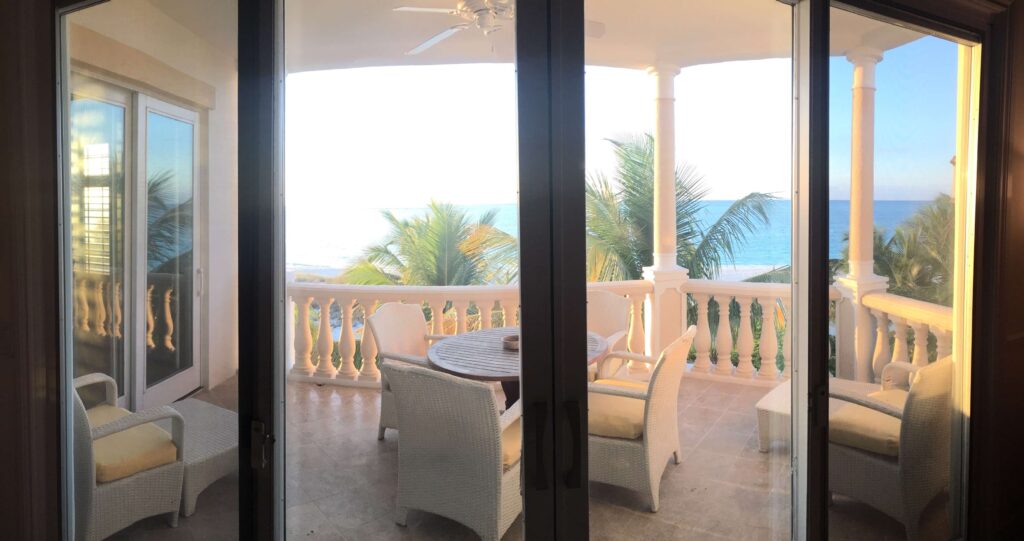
[359,140]
[401,135]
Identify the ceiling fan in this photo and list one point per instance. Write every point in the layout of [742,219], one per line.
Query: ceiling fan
[485,15]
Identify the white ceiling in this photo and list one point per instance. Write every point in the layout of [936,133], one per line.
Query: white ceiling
[329,34]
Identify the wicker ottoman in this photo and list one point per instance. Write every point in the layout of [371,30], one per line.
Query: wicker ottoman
[211,447]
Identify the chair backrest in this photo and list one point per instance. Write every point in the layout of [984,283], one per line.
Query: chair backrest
[607,313]
[84,468]
[663,390]
[399,328]
[450,429]
[925,429]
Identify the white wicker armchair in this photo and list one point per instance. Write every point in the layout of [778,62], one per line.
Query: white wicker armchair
[608,315]
[908,465]
[458,457]
[634,425]
[103,508]
[400,332]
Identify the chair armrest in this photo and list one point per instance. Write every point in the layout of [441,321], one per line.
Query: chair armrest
[625,355]
[143,417]
[436,337]
[614,390]
[96,378]
[411,359]
[896,375]
[867,402]
[511,415]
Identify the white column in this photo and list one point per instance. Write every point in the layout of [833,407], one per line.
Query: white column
[862,161]
[861,279]
[665,316]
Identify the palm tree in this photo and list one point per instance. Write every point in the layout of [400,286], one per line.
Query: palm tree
[918,257]
[440,248]
[620,218]
[168,226]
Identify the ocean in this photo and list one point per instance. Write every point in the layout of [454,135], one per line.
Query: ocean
[765,248]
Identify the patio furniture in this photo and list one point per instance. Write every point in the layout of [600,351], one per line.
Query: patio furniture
[890,449]
[400,332]
[608,316]
[211,447]
[773,418]
[458,457]
[480,355]
[634,426]
[126,467]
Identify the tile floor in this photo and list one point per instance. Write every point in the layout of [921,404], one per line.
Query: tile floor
[341,481]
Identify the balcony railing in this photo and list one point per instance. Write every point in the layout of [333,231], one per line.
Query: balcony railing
[458,309]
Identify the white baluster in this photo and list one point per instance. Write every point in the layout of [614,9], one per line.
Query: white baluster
[150,320]
[723,337]
[486,310]
[368,347]
[636,324]
[745,340]
[702,342]
[115,324]
[99,321]
[437,317]
[325,340]
[920,343]
[461,309]
[82,296]
[168,320]
[943,343]
[347,344]
[882,354]
[787,342]
[303,342]
[899,350]
[769,340]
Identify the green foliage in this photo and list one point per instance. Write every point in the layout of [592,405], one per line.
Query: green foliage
[620,219]
[441,248]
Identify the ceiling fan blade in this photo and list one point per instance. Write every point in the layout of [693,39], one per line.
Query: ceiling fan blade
[593,29]
[438,38]
[411,9]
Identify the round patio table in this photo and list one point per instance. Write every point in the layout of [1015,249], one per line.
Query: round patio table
[480,355]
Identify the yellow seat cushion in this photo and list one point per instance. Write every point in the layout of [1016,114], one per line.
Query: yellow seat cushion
[867,429]
[131,451]
[512,444]
[617,416]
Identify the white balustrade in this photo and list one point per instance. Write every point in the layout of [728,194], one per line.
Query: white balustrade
[702,342]
[769,340]
[908,318]
[745,340]
[368,346]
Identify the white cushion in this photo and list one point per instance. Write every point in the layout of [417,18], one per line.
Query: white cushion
[617,416]
[867,429]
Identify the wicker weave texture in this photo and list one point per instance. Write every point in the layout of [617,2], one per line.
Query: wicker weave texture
[449,456]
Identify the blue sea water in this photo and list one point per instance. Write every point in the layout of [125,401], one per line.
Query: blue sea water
[767,246]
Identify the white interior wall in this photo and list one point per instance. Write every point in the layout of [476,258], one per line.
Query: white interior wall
[142,26]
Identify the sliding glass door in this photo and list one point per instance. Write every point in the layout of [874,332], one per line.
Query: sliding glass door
[167,161]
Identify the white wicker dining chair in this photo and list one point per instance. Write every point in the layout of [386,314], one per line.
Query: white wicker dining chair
[890,449]
[400,331]
[608,315]
[634,425]
[107,507]
[458,457]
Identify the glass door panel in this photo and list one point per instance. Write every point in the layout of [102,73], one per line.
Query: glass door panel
[402,270]
[98,116]
[902,115]
[170,370]
[689,173]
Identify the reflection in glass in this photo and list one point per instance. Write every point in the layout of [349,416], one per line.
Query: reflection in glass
[169,212]
[97,235]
